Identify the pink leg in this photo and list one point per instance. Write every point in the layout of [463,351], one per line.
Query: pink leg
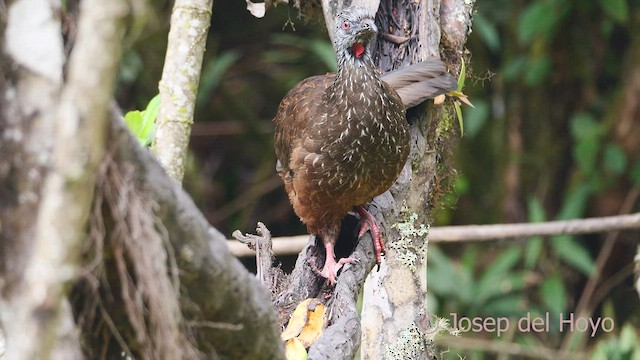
[367,222]
[331,267]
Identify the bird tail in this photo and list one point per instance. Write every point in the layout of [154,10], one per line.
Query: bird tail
[417,82]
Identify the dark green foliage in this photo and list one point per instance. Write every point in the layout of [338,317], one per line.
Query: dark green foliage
[549,139]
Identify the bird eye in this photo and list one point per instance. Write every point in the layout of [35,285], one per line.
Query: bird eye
[346,25]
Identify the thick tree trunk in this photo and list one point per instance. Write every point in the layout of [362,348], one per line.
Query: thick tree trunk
[147,276]
[394,311]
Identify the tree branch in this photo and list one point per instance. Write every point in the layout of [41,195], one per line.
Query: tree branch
[215,287]
[190,22]
[40,308]
[470,233]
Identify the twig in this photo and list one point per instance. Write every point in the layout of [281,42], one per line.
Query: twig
[467,233]
[190,21]
[261,243]
[216,325]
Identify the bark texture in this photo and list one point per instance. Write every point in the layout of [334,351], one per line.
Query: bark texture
[36,304]
[190,22]
[395,295]
[394,307]
[101,253]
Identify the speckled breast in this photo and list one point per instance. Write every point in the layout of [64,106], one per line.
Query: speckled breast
[362,144]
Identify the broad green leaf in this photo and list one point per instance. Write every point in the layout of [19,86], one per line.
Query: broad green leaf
[487,32]
[532,251]
[569,250]
[536,212]
[213,72]
[618,10]
[324,50]
[514,67]
[539,19]
[133,119]
[490,283]
[585,153]
[142,123]
[149,116]
[614,159]
[508,305]
[553,294]
[584,127]
[537,70]
[575,203]
[628,339]
[635,173]
[469,257]
[440,272]
[464,284]
[534,245]
[476,118]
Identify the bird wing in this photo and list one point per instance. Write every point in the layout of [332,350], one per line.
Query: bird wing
[294,112]
[418,82]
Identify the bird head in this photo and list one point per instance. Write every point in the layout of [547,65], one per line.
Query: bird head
[355,28]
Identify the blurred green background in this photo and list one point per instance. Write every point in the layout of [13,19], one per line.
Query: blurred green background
[555,134]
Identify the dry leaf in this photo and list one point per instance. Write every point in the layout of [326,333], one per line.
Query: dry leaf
[314,326]
[256,9]
[297,321]
[294,350]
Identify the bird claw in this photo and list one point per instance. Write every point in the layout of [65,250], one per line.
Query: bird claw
[367,222]
[331,267]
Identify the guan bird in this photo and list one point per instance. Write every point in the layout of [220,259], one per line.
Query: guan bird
[341,139]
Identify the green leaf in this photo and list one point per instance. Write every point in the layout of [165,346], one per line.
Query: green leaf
[566,248]
[533,251]
[585,153]
[448,279]
[476,118]
[514,67]
[142,123]
[540,19]
[463,75]
[324,51]
[213,73]
[553,294]
[459,116]
[585,127]
[533,248]
[618,10]
[535,211]
[440,272]
[149,116]
[537,70]
[508,305]
[575,203]
[628,339]
[615,160]
[490,283]
[487,32]
[469,257]
[635,173]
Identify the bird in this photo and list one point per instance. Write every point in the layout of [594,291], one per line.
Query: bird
[341,139]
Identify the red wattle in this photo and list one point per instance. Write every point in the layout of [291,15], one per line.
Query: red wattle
[358,49]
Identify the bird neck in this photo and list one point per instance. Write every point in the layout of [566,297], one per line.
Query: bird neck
[355,75]
[348,61]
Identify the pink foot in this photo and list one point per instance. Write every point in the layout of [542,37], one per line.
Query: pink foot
[331,267]
[367,222]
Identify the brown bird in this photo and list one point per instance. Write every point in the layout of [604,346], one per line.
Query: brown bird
[342,139]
